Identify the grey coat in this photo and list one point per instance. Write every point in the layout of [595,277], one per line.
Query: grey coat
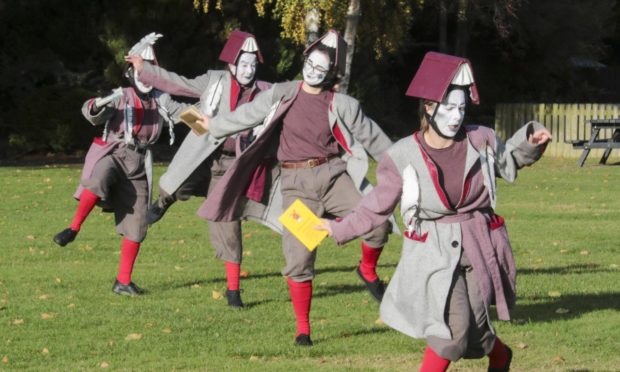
[214,90]
[356,134]
[437,234]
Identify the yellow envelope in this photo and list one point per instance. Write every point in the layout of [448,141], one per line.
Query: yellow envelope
[300,221]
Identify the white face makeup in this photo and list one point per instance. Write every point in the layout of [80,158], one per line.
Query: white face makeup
[141,87]
[316,68]
[245,70]
[450,113]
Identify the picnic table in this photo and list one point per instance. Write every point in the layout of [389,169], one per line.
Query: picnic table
[598,141]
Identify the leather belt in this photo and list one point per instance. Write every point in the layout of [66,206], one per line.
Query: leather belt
[310,163]
[137,148]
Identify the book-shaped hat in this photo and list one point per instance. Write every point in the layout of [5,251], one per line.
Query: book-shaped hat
[437,72]
[144,47]
[238,42]
[332,39]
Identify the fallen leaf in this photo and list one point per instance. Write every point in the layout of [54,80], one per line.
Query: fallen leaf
[148,325]
[18,321]
[322,284]
[181,241]
[104,365]
[5,360]
[244,274]
[58,280]
[71,306]
[167,330]
[47,316]
[216,295]
[44,297]
[554,294]
[133,337]
[45,351]
[563,250]
[195,285]
[562,310]
[365,302]
[555,244]
[584,252]
[88,248]
[30,237]
[379,322]
[613,266]
[558,359]
[521,345]
[178,268]
[247,253]
[253,358]
[247,236]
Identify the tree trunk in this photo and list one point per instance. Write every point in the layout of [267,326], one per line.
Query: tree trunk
[354,12]
[313,21]
[443,26]
[462,32]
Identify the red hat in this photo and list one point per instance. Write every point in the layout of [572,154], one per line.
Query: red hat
[332,39]
[437,72]
[238,42]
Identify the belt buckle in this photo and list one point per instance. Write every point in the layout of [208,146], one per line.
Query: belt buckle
[313,163]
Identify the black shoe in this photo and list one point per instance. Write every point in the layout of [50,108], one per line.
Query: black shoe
[376,288]
[234,298]
[65,237]
[507,366]
[156,212]
[127,289]
[303,340]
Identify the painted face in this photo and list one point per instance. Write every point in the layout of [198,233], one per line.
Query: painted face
[316,68]
[450,113]
[141,87]
[245,70]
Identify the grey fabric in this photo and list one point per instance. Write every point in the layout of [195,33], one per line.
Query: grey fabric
[119,179]
[466,316]
[326,189]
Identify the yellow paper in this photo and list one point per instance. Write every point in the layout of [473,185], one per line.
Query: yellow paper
[300,221]
[189,116]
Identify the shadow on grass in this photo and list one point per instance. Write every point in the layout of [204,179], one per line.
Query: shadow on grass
[570,269]
[576,304]
[336,289]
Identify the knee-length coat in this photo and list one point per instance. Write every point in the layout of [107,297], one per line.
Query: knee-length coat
[355,133]
[437,234]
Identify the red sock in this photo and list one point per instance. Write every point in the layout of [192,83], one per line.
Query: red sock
[433,362]
[498,357]
[301,297]
[129,252]
[368,264]
[86,204]
[232,275]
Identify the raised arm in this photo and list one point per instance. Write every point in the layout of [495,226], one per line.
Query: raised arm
[375,208]
[246,116]
[167,81]
[524,148]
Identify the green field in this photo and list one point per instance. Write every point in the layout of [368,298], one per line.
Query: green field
[57,311]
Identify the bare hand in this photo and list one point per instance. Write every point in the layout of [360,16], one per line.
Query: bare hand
[136,61]
[324,226]
[203,122]
[540,137]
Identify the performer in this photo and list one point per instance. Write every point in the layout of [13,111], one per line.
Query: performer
[200,161]
[117,172]
[322,138]
[456,259]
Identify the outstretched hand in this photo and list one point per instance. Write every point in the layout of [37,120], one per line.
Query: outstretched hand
[539,137]
[136,61]
[324,226]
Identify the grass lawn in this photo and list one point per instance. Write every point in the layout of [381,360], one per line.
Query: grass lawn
[57,310]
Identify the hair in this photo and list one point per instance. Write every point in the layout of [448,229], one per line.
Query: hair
[424,124]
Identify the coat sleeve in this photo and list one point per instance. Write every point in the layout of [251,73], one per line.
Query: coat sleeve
[173,83]
[173,108]
[246,116]
[365,130]
[375,208]
[517,152]
[104,114]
